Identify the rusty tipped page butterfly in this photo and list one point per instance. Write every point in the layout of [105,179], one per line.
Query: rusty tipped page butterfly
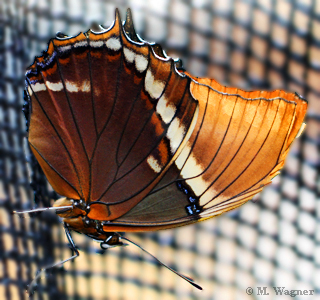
[134,143]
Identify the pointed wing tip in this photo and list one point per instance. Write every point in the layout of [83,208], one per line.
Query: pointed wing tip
[129,28]
[301,97]
[61,35]
[301,130]
[129,21]
[117,15]
[129,14]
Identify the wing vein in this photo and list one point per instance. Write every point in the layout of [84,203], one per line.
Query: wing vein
[160,137]
[94,115]
[127,121]
[60,138]
[124,129]
[251,159]
[54,169]
[233,157]
[71,109]
[113,105]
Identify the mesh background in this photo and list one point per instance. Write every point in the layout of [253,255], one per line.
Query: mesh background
[273,240]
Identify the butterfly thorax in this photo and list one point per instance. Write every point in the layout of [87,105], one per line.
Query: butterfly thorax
[77,219]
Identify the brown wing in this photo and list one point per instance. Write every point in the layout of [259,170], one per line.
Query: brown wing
[108,118]
[239,144]
[113,123]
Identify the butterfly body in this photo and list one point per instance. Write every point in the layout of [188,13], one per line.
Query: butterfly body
[133,144]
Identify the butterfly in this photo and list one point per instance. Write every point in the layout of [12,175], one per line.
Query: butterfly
[132,142]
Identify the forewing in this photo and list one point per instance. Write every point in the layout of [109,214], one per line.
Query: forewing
[108,118]
[239,144]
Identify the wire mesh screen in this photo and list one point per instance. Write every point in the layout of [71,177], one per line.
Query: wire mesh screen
[272,241]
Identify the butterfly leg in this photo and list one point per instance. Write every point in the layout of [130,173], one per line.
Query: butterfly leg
[72,245]
[75,253]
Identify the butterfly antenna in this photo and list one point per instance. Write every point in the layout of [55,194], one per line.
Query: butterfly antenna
[43,270]
[34,210]
[190,280]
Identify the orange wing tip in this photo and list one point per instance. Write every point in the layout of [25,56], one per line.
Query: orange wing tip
[303,126]
[274,174]
[301,97]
